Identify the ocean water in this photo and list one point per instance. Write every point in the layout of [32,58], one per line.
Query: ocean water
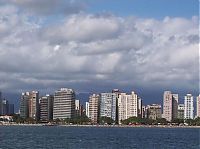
[58,137]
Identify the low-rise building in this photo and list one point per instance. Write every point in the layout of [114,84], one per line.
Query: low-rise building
[154,111]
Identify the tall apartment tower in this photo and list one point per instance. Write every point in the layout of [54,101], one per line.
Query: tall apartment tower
[139,107]
[94,105]
[34,105]
[108,105]
[189,107]
[46,108]
[77,107]
[24,105]
[180,111]
[87,111]
[64,104]
[117,92]
[4,107]
[0,104]
[127,106]
[198,106]
[170,106]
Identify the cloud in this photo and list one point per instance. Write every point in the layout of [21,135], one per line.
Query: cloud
[47,7]
[83,50]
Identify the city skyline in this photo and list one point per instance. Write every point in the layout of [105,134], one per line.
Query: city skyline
[83,97]
[95,46]
[116,105]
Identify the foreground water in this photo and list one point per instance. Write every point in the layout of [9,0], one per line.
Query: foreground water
[33,137]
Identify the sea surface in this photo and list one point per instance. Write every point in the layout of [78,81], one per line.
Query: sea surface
[59,137]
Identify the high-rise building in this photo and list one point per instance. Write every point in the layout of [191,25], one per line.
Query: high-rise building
[117,92]
[189,107]
[64,104]
[139,107]
[175,106]
[34,105]
[180,111]
[198,106]
[4,107]
[87,109]
[46,108]
[170,106]
[77,107]
[144,111]
[154,111]
[0,104]
[127,106]
[24,105]
[94,105]
[10,109]
[108,105]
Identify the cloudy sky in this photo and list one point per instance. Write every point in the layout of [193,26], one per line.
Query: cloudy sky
[98,45]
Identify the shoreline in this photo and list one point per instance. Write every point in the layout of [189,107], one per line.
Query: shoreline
[104,126]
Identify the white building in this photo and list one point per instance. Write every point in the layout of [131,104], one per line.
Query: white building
[189,107]
[139,107]
[108,105]
[127,106]
[198,106]
[77,107]
[87,109]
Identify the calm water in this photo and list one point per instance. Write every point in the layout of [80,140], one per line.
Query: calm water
[31,137]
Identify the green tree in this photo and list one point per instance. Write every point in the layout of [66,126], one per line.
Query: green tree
[177,121]
[106,120]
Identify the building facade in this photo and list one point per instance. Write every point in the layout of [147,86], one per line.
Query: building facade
[33,105]
[46,108]
[180,111]
[77,107]
[198,106]
[175,106]
[139,107]
[154,111]
[144,111]
[189,107]
[24,105]
[108,105]
[127,106]
[87,109]
[94,106]
[64,104]
[170,106]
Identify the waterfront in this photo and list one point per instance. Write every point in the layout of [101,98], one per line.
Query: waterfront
[97,138]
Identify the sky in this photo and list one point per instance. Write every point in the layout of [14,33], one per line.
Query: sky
[94,46]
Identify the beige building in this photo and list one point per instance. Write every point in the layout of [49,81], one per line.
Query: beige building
[29,105]
[170,106]
[154,111]
[94,107]
[64,104]
[34,104]
[127,106]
